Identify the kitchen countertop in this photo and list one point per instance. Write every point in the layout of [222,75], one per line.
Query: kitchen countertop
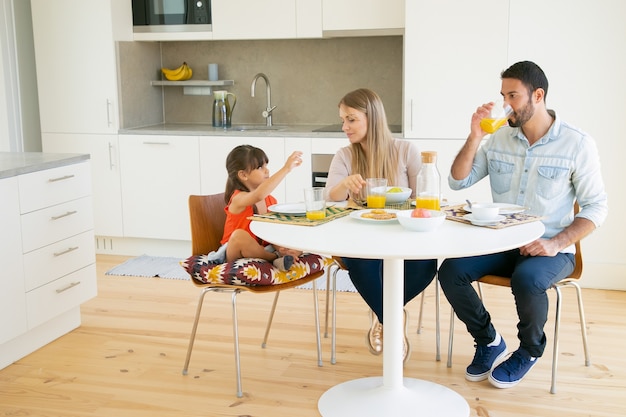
[192,129]
[18,163]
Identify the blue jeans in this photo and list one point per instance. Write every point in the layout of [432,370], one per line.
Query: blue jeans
[367,277]
[531,277]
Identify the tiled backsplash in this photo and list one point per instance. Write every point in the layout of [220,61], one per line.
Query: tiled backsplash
[308,77]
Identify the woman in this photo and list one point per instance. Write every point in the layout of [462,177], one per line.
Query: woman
[374,152]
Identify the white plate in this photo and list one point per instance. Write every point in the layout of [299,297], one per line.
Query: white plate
[357,215]
[477,222]
[505,208]
[294,209]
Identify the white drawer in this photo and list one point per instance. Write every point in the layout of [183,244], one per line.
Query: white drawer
[61,295]
[43,227]
[46,264]
[53,186]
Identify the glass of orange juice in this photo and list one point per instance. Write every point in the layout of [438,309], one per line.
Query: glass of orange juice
[500,113]
[315,203]
[376,192]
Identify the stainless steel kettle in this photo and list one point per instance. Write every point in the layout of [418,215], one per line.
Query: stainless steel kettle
[223,109]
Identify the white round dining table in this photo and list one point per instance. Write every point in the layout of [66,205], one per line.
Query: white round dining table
[392,394]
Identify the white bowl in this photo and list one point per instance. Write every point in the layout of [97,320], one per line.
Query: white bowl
[421,224]
[399,197]
[485,211]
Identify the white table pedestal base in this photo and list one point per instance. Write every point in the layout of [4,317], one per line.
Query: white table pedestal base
[368,397]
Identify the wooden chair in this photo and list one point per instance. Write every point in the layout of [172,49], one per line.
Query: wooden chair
[570,281]
[207,226]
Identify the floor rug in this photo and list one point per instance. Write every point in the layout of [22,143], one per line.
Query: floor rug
[169,267]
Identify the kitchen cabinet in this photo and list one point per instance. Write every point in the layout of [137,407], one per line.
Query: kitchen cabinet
[47,255]
[363,15]
[269,19]
[12,296]
[300,177]
[107,193]
[215,149]
[158,173]
[76,64]
[451,63]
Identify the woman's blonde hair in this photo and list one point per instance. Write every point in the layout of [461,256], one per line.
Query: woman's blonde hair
[383,156]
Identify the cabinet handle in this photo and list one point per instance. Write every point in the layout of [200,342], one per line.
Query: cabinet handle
[109,104]
[111,164]
[155,143]
[60,216]
[71,285]
[65,177]
[68,250]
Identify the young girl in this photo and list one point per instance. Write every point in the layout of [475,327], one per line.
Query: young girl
[247,192]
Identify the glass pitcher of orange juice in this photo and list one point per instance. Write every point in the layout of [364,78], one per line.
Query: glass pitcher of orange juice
[428,182]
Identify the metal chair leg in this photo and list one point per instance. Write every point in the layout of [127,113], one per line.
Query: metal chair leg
[419,318]
[333,343]
[555,349]
[317,324]
[327,300]
[194,328]
[269,320]
[236,340]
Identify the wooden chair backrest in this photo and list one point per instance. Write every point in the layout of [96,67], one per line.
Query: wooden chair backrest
[207,217]
[576,273]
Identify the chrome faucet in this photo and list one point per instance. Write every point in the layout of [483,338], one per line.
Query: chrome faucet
[267,113]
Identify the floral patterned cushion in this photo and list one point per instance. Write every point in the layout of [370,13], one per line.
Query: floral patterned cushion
[251,271]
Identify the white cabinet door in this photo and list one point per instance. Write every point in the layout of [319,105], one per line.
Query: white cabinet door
[107,194]
[362,14]
[300,177]
[252,19]
[158,175]
[12,295]
[215,149]
[452,63]
[76,66]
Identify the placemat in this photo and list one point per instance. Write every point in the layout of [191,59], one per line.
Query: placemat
[332,213]
[456,213]
[406,205]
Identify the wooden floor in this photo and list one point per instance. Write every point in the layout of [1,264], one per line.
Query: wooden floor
[126,358]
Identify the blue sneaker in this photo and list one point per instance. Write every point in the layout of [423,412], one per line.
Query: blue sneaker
[510,372]
[485,358]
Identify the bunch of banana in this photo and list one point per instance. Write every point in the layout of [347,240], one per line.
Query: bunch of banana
[181,73]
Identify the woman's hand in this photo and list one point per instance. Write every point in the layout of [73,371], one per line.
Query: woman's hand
[353,183]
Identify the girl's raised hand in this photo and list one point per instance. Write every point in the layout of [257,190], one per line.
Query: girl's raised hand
[294,160]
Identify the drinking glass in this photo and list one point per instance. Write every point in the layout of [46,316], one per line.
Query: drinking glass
[500,113]
[315,203]
[376,192]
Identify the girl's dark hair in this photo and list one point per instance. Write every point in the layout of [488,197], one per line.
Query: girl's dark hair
[530,74]
[242,158]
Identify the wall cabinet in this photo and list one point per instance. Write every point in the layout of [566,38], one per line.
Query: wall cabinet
[158,174]
[215,149]
[107,193]
[367,15]
[269,19]
[76,65]
[451,64]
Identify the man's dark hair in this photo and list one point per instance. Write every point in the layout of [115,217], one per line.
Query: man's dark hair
[530,74]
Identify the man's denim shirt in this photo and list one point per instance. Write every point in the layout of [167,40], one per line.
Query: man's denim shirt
[546,177]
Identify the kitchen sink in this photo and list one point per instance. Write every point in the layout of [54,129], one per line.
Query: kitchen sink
[257,128]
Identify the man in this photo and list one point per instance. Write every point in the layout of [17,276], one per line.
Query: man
[543,163]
